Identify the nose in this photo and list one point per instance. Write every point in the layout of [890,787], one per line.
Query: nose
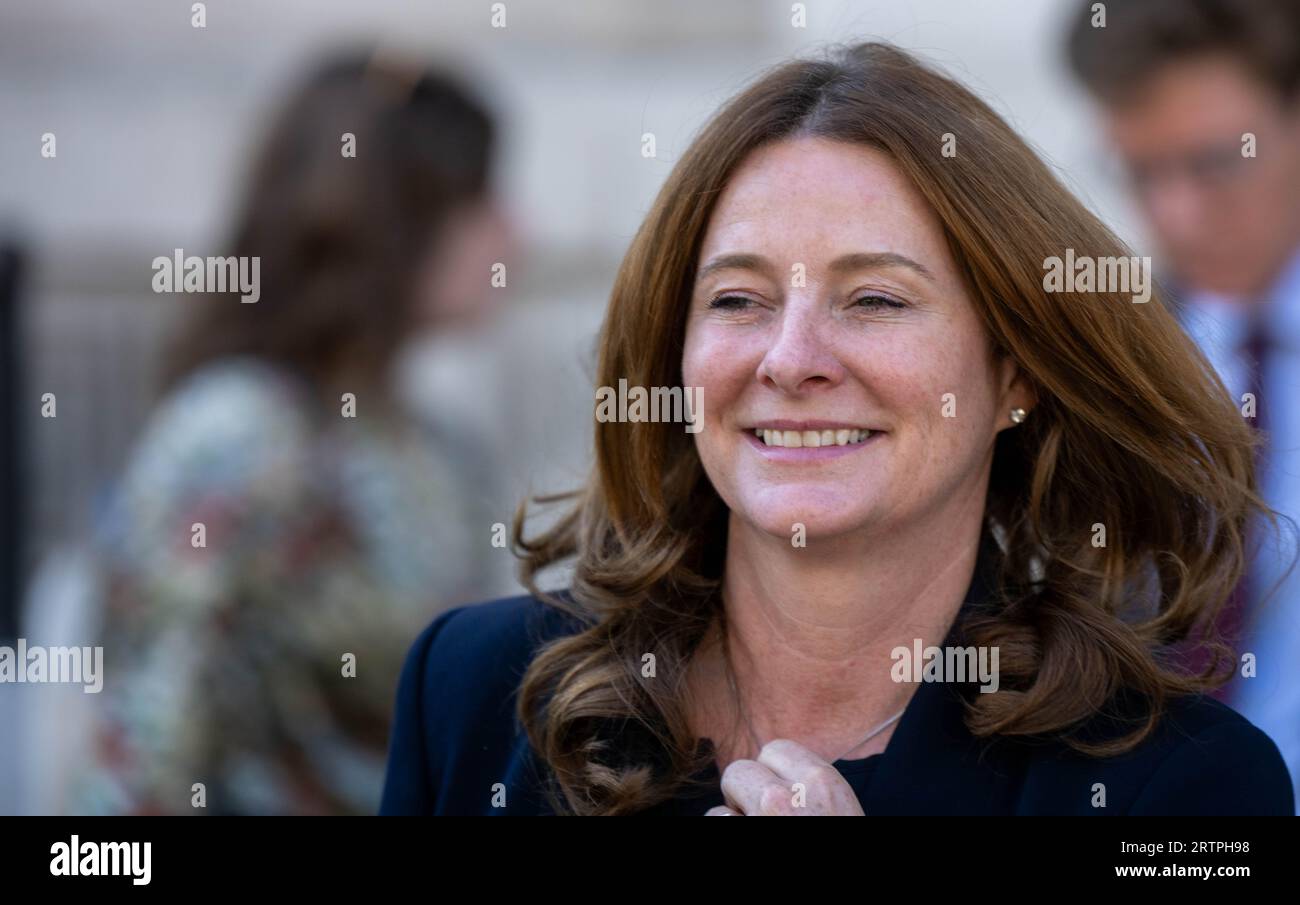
[801,356]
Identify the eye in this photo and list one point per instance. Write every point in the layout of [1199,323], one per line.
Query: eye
[729,303]
[878,301]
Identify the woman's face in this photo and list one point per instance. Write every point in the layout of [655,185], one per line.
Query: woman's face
[827,308]
[453,283]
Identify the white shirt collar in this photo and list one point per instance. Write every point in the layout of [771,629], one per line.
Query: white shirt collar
[1219,320]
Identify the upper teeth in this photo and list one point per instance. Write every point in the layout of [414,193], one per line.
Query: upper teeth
[811,438]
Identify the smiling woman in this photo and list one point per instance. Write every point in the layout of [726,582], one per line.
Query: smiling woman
[908,444]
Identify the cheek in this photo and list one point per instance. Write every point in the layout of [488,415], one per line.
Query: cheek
[452,283]
[718,364]
[937,386]
[1259,208]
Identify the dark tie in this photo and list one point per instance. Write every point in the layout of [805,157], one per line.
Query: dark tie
[1232,619]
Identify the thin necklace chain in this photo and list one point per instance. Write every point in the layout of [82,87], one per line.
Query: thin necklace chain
[753,736]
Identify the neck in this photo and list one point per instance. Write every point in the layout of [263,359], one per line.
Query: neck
[810,630]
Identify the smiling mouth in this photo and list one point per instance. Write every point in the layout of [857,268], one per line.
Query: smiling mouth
[794,439]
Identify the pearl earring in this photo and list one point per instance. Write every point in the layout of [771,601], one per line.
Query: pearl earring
[1018,415]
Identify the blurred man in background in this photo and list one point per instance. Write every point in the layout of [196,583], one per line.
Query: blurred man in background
[1201,100]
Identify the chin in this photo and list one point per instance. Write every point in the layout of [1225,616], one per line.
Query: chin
[820,510]
[1220,281]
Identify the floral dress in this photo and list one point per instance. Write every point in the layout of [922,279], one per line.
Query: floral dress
[267,564]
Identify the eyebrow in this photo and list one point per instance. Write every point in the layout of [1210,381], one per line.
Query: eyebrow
[861,260]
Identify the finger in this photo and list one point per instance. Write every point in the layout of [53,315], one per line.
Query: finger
[824,788]
[790,760]
[754,790]
[722,811]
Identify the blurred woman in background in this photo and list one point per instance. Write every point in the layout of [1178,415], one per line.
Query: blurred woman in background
[284,528]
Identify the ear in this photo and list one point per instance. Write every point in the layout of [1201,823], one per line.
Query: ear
[1016,390]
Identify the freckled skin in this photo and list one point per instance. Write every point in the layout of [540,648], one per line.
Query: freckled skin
[807,352]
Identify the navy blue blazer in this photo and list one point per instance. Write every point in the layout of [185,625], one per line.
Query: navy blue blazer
[455,738]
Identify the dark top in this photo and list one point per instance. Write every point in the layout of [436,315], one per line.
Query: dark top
[455,738]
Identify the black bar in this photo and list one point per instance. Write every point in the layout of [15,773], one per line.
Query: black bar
[339,855]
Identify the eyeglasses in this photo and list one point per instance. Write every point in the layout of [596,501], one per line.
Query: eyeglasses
[1214,167]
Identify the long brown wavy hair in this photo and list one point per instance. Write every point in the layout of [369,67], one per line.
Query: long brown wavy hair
[1133,430]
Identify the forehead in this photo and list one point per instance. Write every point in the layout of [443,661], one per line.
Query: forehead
[1211,96]
[808,198]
